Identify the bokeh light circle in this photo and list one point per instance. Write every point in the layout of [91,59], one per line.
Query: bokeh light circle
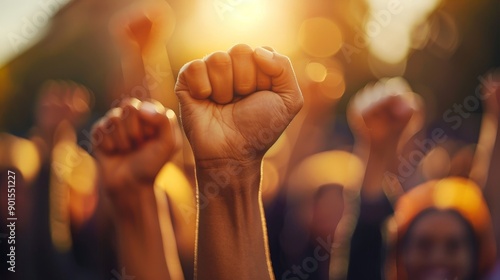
[320,37]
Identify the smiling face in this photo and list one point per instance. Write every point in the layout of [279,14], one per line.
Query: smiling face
[440,245]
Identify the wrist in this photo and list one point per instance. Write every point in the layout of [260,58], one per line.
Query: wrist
[227,163]
[228,177]
[129,203]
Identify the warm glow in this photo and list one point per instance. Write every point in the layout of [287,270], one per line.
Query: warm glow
[333,87]
[240,12]
[270,180]
[463,195]
[333,167]
[391,47]
[174,182]
[24,156]
[282,145]
[436,164]
[63,162]
[181,199]
[83,177]
[390,24]
[316,71]
[221,24]
[320,37]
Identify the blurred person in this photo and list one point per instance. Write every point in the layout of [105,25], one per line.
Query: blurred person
[234,106]
[319,220]
[383,117]
[310,133]
[486,160]
[441,230]
[132,143]
[66,240]
[140,32]
[58,101]
[63,108]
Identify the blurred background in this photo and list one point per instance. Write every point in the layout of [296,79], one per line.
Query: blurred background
[441,47]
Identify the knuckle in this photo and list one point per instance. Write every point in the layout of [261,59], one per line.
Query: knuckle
[194,67]
[241,49]
[218,59]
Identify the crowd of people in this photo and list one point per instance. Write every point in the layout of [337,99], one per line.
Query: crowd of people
[160,195]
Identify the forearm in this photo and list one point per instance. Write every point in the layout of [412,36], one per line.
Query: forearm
[140,244]
[378,162]
[492,189]
[487,151]
[159,77]
[232,242]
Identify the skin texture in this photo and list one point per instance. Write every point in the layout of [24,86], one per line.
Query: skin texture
[439,246]
[132,143]
[234,106]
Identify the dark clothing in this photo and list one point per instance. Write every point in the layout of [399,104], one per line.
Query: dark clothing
[366,259]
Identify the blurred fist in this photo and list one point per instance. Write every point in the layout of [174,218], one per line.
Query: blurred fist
[234,105]
[133,142]
[381,114]
[491,92]
[143,25]
[59,101]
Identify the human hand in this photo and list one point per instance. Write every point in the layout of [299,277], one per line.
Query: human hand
[234,105]
[143,25]
[491,93]
[133,142]
[385,114]
[61,101]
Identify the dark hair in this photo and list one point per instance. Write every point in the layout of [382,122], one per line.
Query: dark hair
[471,235]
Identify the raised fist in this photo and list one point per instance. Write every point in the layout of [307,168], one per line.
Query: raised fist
[133,142]
[143,25]
[382,114]
[234,105]
[59,101]
[491,92]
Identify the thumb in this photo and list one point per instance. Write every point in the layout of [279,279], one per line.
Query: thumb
[283,81]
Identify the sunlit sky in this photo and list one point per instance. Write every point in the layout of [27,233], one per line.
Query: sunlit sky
[21,24]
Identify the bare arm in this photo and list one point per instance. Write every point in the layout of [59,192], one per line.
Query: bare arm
[383,118]
[231,240]
[234,106]
[487,158]
[141,31]
[132,143]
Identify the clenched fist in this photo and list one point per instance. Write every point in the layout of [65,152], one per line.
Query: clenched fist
[386,113]
[142,26]
[234,105]
[133,142]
